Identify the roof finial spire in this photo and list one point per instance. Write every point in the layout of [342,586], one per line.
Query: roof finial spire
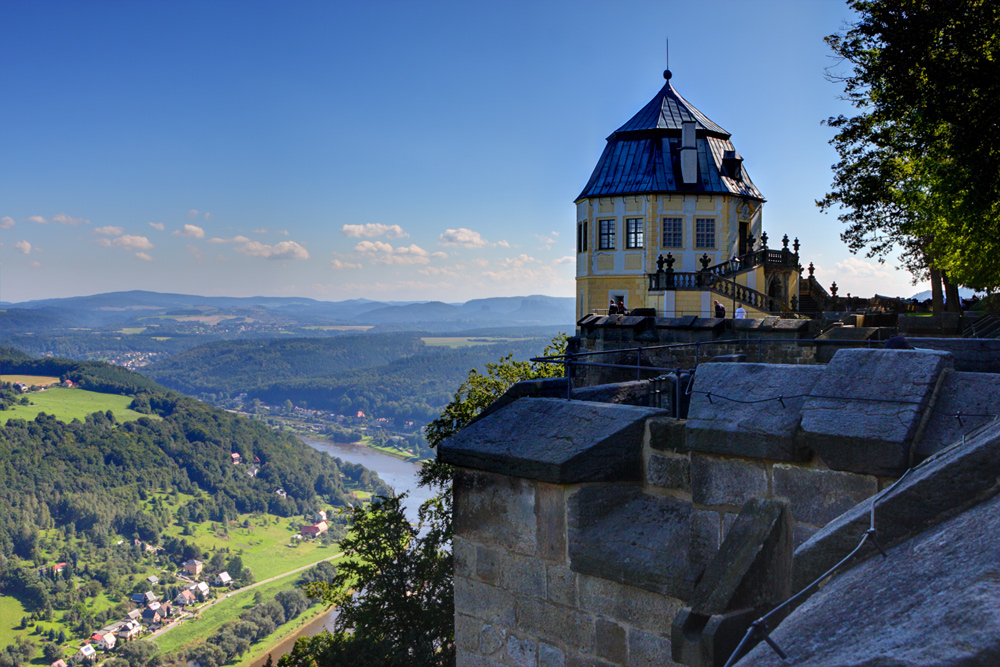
[666,73]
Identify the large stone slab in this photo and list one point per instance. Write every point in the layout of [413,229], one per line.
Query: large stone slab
[934,602]
[867,405]
[965,402]
[976,355]
[497,511]
[930,493]
[745,426]
[552,440]
[621,534]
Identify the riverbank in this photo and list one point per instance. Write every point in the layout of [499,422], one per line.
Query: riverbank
[309,623]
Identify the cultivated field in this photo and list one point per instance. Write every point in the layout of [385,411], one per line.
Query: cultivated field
[69,404]
[461,341]
[39,380]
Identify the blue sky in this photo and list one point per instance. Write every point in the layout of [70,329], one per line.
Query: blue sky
[387,150]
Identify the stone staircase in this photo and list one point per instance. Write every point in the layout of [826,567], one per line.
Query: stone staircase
[987,326]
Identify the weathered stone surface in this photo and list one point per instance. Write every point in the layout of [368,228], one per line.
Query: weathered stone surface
[463,556]
[975,355]
[609,642]
[488,565]
[495,509]
[667,434]
[467,659]
[935,601]
[523,575]
[620,533]
[555,623]
[757,430]
[467,631]
[817,497]
[550,513]
[646,649]
[561,585]
[975,396]
[635,392]
[542,388]
[521,652]
[754,564]
[931,492]
[669,472]
[549,440]
[726,481]
[491,639]
[633,606]
[877,399]
[704,537]
[484,602]
[550,656]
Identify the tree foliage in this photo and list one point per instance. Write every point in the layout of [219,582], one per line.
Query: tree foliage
[918,169]
[395,590]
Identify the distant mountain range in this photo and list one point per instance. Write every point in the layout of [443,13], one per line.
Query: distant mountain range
[137,307]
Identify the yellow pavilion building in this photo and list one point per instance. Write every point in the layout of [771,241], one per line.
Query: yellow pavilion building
[670,222]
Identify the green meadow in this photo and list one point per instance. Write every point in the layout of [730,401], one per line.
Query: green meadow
[69,404]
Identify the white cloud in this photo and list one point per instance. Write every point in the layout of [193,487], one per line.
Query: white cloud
[37,218]
[547,241]
[440,271]
[517,262]
[235,239]
[283,250]
[439,255]
[373,229]
[502,244]
[568,259]
[369,247]
[193,213]
[108,230]
[260,230]
[283,232]
[481,263]
[208,216]
[195,252]
[157,225]
[143,256]
[35,264]
[132,242]
[339,265]
[462,237]
[7,222]
[64,219]
[190,232]
[24,247]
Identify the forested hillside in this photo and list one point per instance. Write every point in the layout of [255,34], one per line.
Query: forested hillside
[386,375]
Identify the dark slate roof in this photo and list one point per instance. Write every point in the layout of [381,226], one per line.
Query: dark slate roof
[643,155]
[667,111]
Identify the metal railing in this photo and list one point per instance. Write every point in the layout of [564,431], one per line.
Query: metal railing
[665,281]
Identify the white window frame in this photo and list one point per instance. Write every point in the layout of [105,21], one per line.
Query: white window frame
[704,238]
[635,233]
[607,240]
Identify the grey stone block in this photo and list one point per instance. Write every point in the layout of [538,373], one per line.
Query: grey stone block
[550,513]
[551,622]
[523,575]
[669,472]
[492,639]
[635,392]
[467,631]
[758,430]
[620,533]
[484,602]
[633,606]
[550,656]
[935,601]
[975,396]
[817,497]
[561,585]
[466,659]
[704,537]
[521,652]
[464,557]
[726,481]
[488,565]
[609,642]
[646,649]
[877,399]
[496,510]
[556,441]
[975,355]
[667,434]
[931,492]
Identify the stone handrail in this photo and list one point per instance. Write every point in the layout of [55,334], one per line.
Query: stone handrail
[783,259]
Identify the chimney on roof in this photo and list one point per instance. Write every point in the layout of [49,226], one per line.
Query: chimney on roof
[689,154]
[733,164]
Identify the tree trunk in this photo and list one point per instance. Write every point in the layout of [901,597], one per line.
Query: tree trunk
[951,294]
[937,299]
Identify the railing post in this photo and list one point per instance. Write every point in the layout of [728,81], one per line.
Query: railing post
[638,363]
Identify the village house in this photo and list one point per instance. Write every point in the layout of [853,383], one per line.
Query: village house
[144,598]
[193,567]
[131,628]
[58,568]
[320,516]
[107,641]
[151,616]
[223,579]
[200,589]
[59,663]
[153,579]
[86,652]
[184,598]
[237,459]
[314,530]
[135,614]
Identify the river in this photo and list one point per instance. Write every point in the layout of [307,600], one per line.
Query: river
[399,474]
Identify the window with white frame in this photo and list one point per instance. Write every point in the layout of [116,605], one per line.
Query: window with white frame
[634,233]
[704,233]
[673,232]
[606,234]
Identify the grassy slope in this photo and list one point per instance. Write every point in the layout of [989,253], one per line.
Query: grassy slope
[69,404]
